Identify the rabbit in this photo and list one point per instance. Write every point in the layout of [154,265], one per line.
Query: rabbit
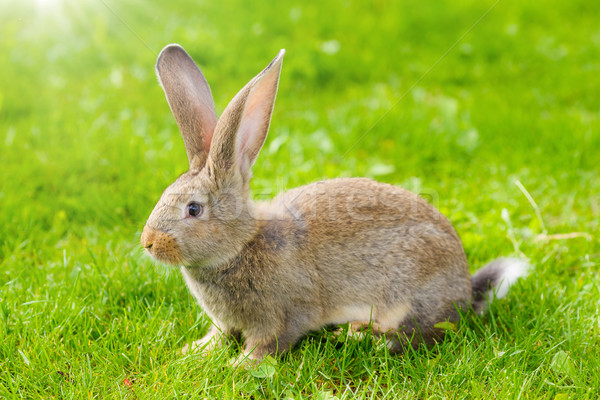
[331,252]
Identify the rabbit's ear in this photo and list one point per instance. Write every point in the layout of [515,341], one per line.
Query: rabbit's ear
[191,102]
[243,126]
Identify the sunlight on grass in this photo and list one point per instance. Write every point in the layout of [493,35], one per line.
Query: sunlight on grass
[47,4]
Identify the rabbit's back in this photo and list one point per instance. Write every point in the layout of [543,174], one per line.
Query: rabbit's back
[377,249]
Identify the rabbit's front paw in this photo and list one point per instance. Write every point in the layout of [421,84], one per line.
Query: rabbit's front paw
[202,345]
[214,339]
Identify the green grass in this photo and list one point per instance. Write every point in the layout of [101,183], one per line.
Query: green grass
[87,144]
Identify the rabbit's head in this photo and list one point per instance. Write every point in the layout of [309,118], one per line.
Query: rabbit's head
[205,216]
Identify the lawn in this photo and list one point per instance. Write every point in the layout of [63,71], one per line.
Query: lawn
[489,109]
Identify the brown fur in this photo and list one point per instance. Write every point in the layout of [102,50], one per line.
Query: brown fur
[326,253]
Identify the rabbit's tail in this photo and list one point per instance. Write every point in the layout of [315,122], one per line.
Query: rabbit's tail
[494,279]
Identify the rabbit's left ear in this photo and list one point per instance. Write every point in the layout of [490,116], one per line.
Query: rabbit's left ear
[190,99]
[242,129]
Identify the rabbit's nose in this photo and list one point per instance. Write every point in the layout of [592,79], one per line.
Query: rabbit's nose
[148,236]
[161,245]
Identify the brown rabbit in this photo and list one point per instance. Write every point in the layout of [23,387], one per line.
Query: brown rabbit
[336,251]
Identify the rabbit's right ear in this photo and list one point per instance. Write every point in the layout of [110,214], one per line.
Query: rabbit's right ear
[243,126]
[190,99]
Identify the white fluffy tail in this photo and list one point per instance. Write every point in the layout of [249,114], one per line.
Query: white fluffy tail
[495,279]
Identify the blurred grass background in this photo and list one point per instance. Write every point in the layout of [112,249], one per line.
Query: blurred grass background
[87,144]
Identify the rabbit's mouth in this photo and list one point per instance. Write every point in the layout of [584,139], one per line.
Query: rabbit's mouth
[161,246]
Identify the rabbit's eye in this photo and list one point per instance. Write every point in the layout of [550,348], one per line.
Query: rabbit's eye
[194,209]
